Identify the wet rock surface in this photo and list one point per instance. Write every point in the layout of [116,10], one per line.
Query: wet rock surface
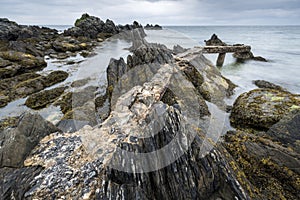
[261,108]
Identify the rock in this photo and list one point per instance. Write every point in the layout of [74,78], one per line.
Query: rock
[8,123]
[26,60]
[85,165]
[286,131]
[80,83]
[17,143]
[266,84]
[37,84]
[151,27]
[177,49]
[206,78]
[43,98]
[261,108]
[243,56]
[271,169]
[90,26]
[8,29]
[76,99]
[16,182]
[3,100]
[214,41]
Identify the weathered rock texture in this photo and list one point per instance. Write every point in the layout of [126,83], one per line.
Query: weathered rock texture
[261,108]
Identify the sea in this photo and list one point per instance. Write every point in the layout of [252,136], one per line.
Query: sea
[280,45]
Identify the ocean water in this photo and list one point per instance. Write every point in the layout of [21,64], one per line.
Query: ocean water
[278,44]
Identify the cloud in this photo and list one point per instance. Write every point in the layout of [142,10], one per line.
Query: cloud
[174,12]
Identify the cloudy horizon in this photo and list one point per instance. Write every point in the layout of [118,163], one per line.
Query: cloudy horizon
[164,12]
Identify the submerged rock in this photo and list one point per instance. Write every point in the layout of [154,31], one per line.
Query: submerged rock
[17,143]
[261,108]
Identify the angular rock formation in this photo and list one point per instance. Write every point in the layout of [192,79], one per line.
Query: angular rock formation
[214,41]
[151,27]
[17,143]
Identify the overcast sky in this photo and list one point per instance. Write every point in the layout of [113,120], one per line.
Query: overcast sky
[164,12]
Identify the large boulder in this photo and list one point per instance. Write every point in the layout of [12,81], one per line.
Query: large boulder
[17,143]
[90,26]
[286,131]
[261,108]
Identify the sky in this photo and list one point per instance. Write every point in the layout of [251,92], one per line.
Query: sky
[163,12]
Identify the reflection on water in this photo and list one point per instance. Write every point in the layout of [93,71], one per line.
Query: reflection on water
[93,69]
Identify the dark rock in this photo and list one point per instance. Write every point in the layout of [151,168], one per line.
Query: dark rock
[178,49]
[37,84]
[286,131]
[259,58]
[151,27]
[9,30]
[17,143]
[26,60]
[214,41]
[243,56]
[271,169]
[3,100]
[14,183]
[90,26]
[266,84]
[8,123]
[261,108]
[43,98]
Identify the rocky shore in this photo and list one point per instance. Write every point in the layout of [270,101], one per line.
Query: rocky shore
[151,133]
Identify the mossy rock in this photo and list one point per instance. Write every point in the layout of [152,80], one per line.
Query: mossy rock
[4,63]
[272,169]
[261,108]
[8,122]
[55,77]
[7,72]
[23,59]
[37,84]
[4,100]
[44,98]
[82,18]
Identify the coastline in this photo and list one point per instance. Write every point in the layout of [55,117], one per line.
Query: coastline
[181,91]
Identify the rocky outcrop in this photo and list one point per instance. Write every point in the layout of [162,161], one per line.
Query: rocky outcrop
[90,26]
[214,41]
[151,27]
[98,167]
[242,56]
[261,108]
[17,143]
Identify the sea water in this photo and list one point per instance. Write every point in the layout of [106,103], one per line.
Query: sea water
[280,45]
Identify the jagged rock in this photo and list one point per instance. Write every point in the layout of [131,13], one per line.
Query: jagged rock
[18,142]
[8,29]
[261,108]
[209,82]
[272,170]
[14,183]
[286,131]
[90,26]
[86,165]
[266,84]
[177,49]
[43,98]
[151,27]
[214,41]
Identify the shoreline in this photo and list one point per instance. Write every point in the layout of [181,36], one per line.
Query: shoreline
[156,99]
